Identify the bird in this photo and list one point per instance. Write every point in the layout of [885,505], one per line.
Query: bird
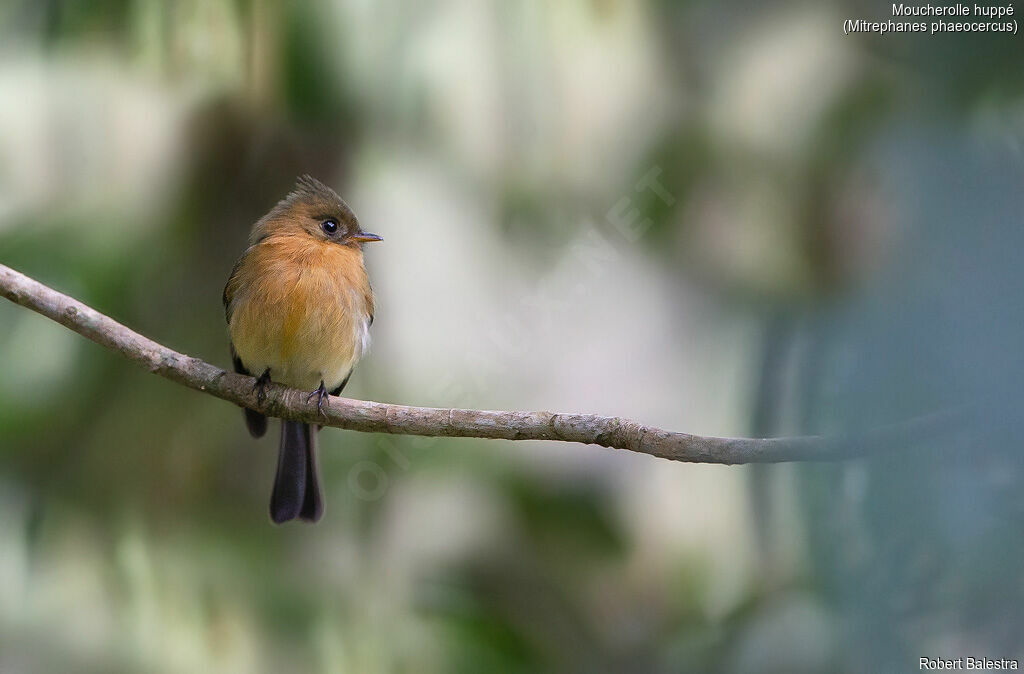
[299,307]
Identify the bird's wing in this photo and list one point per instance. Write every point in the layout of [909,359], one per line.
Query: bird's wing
[254,421]
[369,303]
[229,288]
[229,295]
[239,365]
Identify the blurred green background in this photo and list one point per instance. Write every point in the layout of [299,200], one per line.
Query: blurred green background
[723,218]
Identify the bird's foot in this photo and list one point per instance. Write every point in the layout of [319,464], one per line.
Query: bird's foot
[260,387]
[321,394]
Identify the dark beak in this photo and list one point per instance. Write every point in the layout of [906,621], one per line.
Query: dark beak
[363,237]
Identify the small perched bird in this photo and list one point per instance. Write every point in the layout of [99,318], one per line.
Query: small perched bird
[299,308]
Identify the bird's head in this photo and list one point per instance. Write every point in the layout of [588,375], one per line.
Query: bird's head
[313,209]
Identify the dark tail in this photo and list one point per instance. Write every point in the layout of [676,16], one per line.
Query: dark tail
[297,484]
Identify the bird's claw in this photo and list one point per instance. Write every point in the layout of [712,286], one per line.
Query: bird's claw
[260,387]
[321,393]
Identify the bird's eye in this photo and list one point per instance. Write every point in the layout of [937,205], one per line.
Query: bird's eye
[330,225]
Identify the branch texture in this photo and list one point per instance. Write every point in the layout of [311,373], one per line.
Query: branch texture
[367,416]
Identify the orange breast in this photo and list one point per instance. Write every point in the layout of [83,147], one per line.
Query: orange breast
[301,307]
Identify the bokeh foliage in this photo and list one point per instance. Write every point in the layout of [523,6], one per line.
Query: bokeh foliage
[848,206]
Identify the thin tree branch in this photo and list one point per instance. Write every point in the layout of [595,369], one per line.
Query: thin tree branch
[367,416]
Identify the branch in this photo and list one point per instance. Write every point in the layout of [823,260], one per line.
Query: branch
[367,416]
